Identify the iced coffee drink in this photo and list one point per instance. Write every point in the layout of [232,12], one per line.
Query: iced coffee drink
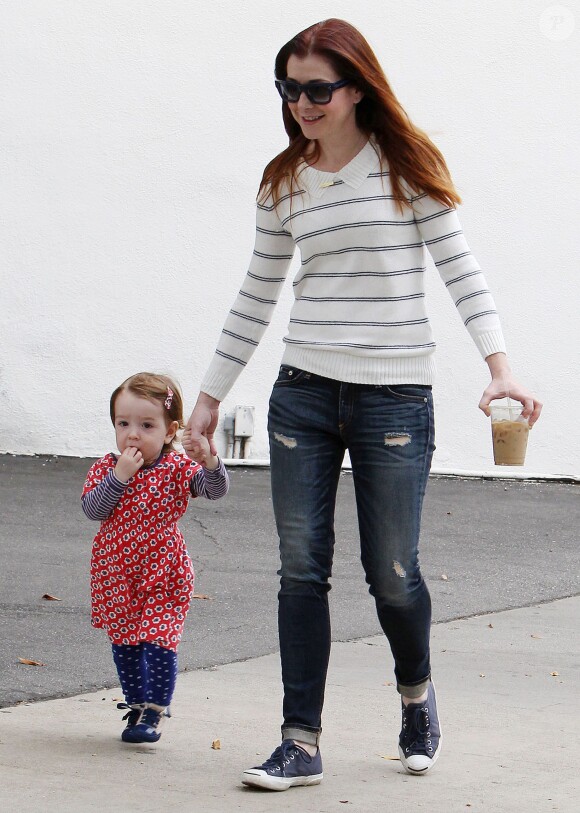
[510,435]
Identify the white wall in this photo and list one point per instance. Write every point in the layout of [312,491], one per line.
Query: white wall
[133,140]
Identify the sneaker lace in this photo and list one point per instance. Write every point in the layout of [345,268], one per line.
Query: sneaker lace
[416,733]
[151,718]
[133,713]
[282,755]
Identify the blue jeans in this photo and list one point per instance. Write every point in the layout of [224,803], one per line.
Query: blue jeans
[389,433]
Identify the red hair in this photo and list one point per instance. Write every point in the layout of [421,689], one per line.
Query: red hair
[409,152]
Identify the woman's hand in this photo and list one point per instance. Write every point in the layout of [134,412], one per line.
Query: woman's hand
[128,463]
[198,436]
[503,385]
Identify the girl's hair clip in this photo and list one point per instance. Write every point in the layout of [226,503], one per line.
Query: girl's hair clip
[169,398]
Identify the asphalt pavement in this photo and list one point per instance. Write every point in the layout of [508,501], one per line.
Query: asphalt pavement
[501,559]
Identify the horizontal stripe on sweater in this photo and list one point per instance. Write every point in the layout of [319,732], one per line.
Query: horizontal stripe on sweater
[356,246]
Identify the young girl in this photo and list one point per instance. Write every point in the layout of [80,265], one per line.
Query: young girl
[141,574]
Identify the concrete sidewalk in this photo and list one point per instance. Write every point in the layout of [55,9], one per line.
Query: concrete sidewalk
[508,686]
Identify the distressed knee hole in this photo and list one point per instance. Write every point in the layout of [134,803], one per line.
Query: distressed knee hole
[399,569]
[397,438]
[290,443]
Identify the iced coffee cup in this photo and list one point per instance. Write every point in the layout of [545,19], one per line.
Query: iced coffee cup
[510,434]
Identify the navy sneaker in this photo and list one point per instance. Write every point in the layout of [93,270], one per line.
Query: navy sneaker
[147,728]
[133,716]
[420,739]
[289,765]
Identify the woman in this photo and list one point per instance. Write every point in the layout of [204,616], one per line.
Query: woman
[362,192]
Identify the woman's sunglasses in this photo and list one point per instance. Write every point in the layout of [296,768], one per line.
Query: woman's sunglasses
[316,92]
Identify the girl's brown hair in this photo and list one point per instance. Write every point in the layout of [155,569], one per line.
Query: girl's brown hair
[410,153]
[154,387]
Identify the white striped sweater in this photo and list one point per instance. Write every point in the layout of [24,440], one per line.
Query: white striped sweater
[359,310]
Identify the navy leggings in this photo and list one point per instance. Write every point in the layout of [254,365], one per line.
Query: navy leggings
[147,672]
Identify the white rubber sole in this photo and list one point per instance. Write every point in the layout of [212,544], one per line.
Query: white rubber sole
[428,765]
[257,778]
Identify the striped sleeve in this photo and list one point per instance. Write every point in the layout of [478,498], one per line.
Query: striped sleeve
[252,310]
[102,499]
[443,236]
[210,484]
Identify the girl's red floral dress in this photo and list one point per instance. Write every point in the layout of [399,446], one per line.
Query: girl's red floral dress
[141,574]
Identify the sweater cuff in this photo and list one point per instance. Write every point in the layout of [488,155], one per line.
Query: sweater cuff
[489,343]
[217,384]
[116,484]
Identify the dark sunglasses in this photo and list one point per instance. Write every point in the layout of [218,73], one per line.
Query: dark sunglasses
[316,92]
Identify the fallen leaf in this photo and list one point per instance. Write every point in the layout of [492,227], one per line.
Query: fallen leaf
[202,596]
[555,674]
[28,662]
[216,745]
[443,577]
[48,597]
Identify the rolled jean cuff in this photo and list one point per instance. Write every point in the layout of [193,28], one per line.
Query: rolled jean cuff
[310,736]
[416,690]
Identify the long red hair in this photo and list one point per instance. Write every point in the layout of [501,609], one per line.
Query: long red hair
[408,151]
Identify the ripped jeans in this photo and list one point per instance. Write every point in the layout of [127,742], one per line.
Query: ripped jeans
[389,433]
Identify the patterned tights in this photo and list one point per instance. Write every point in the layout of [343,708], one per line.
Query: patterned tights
[147,672]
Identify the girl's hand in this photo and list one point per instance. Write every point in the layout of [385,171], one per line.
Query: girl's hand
[128,463]
[203,453]
[503,385]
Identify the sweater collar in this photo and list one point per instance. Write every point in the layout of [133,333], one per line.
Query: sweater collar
[353,174]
